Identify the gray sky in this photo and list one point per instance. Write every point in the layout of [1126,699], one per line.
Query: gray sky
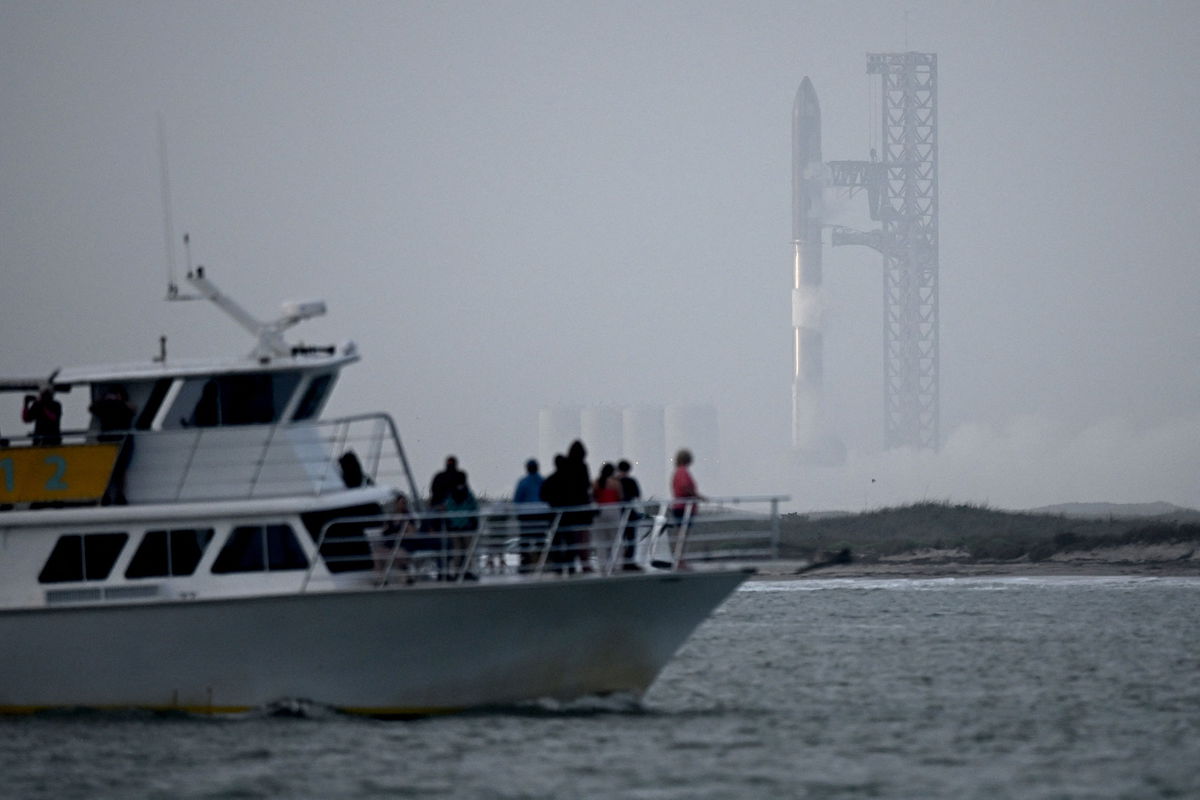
[513,205]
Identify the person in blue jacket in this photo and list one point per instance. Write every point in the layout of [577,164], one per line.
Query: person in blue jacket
[527,496]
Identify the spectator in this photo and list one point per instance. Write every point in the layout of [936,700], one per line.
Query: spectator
[528,496]
[462,521]
[577,491]
[46,415]
[554,494]
[529,487]
[114,416]
[445,481]
[683,486]
[630,493]
[391,551]
[607,492]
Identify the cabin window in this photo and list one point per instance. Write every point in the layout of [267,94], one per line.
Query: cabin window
[163,554]
[258,548]
[82,557]
[249,399]
[314,397]
[143,398]
[344,545]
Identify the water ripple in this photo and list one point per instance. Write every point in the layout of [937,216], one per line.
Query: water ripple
[964,688]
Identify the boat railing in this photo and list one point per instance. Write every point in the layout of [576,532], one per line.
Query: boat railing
[199,464]
[533,540]
[263,461]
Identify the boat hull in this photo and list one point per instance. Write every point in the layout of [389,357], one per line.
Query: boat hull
[391,651]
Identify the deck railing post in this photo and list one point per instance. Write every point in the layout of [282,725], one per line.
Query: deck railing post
[394,551]
[551,532]
[468,552]
[415,500]
[316,557]
[187,467]
[376,450]
[684,524]
[262,460]
[618,543]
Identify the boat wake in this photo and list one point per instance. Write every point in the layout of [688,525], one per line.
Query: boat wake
[296,708]
[617,703]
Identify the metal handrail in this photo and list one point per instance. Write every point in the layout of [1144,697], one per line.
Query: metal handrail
[708,532]
[197,463]
[262,446]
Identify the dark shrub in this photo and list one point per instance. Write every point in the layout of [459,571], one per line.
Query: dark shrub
[997,549]
[1042,551]
[1066,540]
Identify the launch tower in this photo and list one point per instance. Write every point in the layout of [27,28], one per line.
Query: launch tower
[902,191]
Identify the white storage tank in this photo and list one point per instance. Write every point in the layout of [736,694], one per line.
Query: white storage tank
[644,445]
[601,428]
[557,428]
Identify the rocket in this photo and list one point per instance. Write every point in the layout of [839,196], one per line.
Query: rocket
[809,437]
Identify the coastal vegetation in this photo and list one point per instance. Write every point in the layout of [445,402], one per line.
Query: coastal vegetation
[973,532]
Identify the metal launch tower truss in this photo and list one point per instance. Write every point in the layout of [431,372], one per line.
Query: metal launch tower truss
[902,191]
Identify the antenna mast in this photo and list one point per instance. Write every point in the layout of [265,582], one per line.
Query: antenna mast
[268,335]
[168,227]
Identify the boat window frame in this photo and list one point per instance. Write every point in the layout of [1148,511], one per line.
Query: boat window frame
[58,553]
[316,390]
[208,534]
[265,404]
[350,551]
[145,394]
[159,391]
[264,551]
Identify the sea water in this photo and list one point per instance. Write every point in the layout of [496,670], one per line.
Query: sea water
[988,688]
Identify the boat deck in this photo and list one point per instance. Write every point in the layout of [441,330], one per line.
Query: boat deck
[522,542]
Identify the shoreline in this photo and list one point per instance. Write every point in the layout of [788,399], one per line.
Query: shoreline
[1187,568]
[941,540]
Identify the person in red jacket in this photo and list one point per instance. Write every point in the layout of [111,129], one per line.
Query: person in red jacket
[683,485]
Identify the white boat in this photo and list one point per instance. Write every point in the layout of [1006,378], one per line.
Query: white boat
[232,549]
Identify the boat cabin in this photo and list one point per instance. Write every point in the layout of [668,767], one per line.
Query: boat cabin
[216,394]
[192,431]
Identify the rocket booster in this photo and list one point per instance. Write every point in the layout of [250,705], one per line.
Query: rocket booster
[808,183]
[807,167]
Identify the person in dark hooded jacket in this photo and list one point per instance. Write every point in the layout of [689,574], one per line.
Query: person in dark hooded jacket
[553,493]
[577,491]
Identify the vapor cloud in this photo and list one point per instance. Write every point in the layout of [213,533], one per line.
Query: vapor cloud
[1027,462]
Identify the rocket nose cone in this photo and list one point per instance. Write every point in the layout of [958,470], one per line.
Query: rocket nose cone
[806,99]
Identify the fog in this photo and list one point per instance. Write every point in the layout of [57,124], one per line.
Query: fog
[517,205]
